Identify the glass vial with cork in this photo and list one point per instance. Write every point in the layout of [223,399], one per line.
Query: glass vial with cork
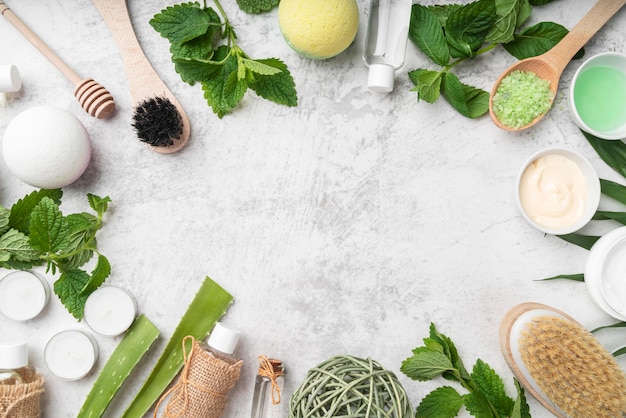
[385,41]
[270,379]
[210,371]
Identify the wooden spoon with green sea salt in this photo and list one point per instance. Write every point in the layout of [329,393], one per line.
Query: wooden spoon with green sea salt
[517,83]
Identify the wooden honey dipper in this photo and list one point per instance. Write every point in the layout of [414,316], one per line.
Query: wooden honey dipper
[93,97]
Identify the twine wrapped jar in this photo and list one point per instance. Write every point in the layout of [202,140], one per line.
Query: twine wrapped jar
[350,386]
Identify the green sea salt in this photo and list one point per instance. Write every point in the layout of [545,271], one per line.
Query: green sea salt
[521,97]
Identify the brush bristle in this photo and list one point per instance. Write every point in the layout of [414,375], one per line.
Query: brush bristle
[158,122]
[573,369]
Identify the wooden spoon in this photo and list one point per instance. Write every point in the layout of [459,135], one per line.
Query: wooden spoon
[93,97]
[144,82]
[550,65]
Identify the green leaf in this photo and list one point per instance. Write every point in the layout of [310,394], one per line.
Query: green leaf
[467,27]
[449,349]
[427,84]
[224,91]
[259,67]
[584,241]
[426,364]
[15,244]
[477,406]
[181,23]
[21,210]
[98,204]
[443,402]
[467,100]
[620,324]
[98,276]
[47,231]
[193,70]
[136,342]
[613,190]
[619,352]
[521,408]
[202,47]
[579,277]
[427,34]
[511,15]
[535,40]
[540,2]
[256,6]
[4,219]
[207,307]
[491,385]
[616,216]
[279,87]
[69,287]
[613,153]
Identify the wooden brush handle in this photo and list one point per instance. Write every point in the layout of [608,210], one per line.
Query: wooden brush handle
[144,82]
[93,97]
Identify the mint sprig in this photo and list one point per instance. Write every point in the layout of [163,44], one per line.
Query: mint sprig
[484,395]
[35,232]
[205,49]
[451,34]
[257,6]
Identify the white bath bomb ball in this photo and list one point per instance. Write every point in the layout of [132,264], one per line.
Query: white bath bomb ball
[46,147]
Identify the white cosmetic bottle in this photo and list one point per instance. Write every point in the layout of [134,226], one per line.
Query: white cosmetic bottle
[385,42]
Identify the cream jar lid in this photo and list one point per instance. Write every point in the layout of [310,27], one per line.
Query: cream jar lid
[605,273]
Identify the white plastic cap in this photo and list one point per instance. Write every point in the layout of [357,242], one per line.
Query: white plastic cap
[10,79]
[381,78]
[13,356]
[224,339]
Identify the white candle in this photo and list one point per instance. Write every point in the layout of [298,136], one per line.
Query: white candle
[71,354]
[23,295]
[110,310]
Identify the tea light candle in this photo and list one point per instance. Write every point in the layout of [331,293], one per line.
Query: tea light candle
[23,295]
[110,310]
[71,354]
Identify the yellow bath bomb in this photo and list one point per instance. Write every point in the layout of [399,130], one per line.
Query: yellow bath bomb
[318,29]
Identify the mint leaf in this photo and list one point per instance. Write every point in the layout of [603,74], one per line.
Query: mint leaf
[535,40]
[492,386]
[4,219]
[98,276]
[426,32]
[467,100]
[203,46]
[47,231]
[476,406]
[15,244]
[21,210]
[511,15]
[426,364]
[427,84]
[98,204]
[225,89]
[68,288]
[443,402]
[259,67]
[256,6]
[520,408]
[192,70]
[279,87]
[467,27]
[182,22]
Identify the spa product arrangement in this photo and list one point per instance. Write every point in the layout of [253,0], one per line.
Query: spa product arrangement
[205,49]
[452,34]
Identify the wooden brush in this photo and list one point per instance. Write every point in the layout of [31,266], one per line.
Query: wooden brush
[561,363]
[159,119]
[93,98]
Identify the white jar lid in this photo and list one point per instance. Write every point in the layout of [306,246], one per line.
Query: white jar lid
[223,338]
[10,79]
[381,78]
[13,356]
[604,273]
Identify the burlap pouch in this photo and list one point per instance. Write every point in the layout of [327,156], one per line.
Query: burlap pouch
[203,386]
[23,400]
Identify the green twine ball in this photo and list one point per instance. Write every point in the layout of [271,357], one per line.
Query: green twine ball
[346,386]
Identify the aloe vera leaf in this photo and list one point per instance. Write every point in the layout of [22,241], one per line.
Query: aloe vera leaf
[118,367]
[578,277]
[207,307]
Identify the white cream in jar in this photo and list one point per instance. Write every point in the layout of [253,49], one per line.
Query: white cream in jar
[553,191]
